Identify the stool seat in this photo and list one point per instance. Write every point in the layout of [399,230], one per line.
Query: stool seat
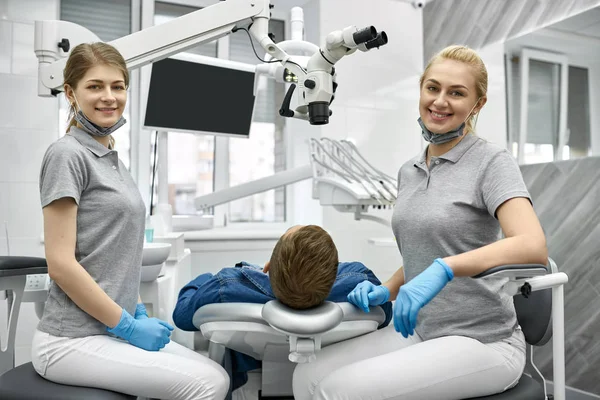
[526,389]
[22,265]
[24,383]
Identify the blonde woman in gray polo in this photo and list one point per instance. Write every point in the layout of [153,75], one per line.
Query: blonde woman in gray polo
[453,337]
[95,331]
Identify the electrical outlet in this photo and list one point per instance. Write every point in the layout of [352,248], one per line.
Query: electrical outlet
[36,282]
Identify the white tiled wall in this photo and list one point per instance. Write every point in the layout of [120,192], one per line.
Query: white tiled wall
[28,124]
[24,61]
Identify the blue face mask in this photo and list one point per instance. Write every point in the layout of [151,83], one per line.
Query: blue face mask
[91,127]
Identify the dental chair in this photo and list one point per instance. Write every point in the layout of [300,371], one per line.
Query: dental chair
[280,336]
[539,304]
[23,382]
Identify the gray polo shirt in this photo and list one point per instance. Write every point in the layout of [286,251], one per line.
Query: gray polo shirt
[450,208]
[110,227]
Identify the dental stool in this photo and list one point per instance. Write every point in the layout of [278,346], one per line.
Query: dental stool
[23,382]
[280,336]
[539,304]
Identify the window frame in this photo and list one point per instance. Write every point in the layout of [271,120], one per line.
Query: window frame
[221,179]
[566,60]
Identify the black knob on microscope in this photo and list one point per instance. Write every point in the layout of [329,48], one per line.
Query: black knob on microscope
[64,45]
[309,83]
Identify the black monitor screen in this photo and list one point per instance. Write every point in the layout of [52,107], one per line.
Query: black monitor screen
[193,97]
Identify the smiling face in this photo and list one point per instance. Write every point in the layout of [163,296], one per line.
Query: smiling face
[448,96]
[101,94]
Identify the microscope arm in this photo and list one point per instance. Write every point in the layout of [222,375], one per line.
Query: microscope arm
[54,39]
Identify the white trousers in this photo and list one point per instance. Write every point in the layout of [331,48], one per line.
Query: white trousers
[383,366]
[100,361]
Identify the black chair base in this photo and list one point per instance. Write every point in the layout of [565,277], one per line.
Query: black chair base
[526,389]
[24,383]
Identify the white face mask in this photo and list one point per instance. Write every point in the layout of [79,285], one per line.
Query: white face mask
[439,138]
[91,127]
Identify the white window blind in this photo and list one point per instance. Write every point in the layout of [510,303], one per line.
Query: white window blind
[108,19]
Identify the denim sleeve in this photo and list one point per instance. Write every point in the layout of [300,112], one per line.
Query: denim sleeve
[199,292]
[387,306]
[351,274]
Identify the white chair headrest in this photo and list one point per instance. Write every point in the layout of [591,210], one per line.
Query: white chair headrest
[309,322]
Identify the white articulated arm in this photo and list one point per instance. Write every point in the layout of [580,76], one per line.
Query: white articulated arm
[257,186]
[55,38]
[316,81]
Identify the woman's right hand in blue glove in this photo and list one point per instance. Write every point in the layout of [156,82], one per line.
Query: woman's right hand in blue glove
[150,334]
[367,294]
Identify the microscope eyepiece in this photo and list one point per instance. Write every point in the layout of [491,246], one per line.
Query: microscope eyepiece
[380,40]
[364,35]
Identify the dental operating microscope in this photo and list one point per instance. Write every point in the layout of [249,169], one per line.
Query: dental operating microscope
[315,81]
[312,78]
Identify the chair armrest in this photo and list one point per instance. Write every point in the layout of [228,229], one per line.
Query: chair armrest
[21,265]
[514,271]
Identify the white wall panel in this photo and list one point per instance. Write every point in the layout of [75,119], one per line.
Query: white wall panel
[5,46]
[21,154]
[28,124]
[21,108]
[29,10]
[24,61]
[25,218]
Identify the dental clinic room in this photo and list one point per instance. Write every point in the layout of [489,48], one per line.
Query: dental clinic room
[299,199]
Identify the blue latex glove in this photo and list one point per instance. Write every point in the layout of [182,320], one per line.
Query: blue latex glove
[140,311]
[419,291]
[367,294]
[150,334]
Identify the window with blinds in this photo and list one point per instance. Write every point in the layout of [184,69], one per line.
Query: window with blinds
[108,19]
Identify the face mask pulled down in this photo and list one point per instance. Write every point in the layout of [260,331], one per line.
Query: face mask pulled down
[91,127]
[439,138]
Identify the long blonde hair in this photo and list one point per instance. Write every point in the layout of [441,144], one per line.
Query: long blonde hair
[470,57]
[85,56]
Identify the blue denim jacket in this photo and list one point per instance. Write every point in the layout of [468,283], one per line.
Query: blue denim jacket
[248,284]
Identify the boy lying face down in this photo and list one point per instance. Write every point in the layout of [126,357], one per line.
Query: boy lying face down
[303,272]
